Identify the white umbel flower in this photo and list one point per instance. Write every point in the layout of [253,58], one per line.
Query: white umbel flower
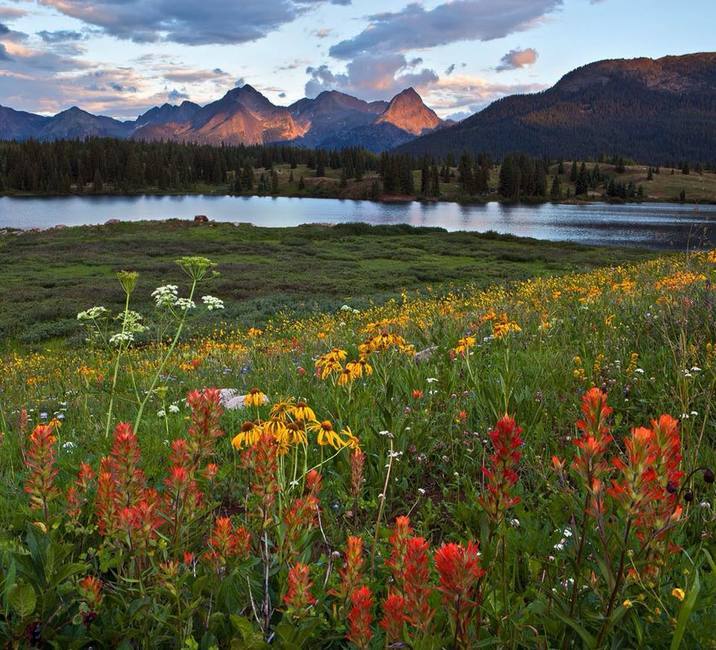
[212,303]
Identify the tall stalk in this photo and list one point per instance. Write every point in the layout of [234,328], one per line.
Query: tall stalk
[164,361]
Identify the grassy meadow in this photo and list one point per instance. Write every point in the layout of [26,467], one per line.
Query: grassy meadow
[49,275]
[473,463]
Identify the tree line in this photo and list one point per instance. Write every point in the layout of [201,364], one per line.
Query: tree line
[104,165]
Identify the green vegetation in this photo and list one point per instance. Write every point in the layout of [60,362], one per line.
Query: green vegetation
[103,166]
[48,276]
[518,467]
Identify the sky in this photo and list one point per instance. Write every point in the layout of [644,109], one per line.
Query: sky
[121,57]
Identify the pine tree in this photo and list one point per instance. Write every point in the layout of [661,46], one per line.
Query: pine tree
[425,178]
[573,172]
[97,184]
[556,191]
[301,184]
[435,182]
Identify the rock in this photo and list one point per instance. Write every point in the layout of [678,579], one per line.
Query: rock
[201,218]
[424,355]
[112,222]
[232,400]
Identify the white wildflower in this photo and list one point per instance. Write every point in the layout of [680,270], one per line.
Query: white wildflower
[165,296]
[184,304]
[212,302]
[93,313]
[121,337]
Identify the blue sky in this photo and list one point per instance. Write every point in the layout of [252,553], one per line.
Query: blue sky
[120,57]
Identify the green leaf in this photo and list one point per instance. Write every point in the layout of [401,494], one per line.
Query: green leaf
[686,608]
[589,640]
[9,583]
[22,599]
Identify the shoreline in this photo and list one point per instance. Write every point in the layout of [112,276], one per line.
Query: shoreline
[386,199]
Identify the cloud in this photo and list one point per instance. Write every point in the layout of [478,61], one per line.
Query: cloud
[324,32]
[9,13]
[192,75]
[186,21]
[517,58]
[371,77]
[414,27]
[4,56]
[450,69]
[467,94]
[60,36]
[175,96]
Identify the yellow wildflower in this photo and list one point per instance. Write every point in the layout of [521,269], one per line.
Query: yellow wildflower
[255,398]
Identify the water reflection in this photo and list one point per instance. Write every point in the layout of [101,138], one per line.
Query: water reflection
[658,225]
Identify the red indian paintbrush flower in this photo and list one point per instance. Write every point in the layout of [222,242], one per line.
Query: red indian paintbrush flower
[91,590]
[262,460]
[357,459]
[351,573]
[360,617]
[123,464]
[592,445]
[76,496]
[460,572]
[647,485]
[502,475]
[206,411]
[40,461]
[595,437]
[415,583]
[398,541]
[227,542]
[394,617]
[298,596]
[298,519]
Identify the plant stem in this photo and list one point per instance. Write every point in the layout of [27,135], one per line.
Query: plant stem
[116,370]
[617,586]
[166,357]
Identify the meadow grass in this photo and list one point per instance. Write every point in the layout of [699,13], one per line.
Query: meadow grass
[49,275]
[551,441]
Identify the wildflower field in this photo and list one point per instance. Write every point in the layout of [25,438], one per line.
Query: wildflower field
[523,466]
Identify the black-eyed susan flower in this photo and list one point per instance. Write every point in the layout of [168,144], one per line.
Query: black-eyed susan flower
[282,410]
[255,398]
[464,344]
[360,368]
[248,436]
[349,439]
[326,434]
[302,411]
[345,377]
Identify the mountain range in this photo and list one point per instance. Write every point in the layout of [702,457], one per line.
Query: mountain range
[244,116]
[652,110]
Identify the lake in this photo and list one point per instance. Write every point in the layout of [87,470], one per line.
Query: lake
[653,225]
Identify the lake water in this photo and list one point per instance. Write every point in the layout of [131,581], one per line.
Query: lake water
[654,225]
